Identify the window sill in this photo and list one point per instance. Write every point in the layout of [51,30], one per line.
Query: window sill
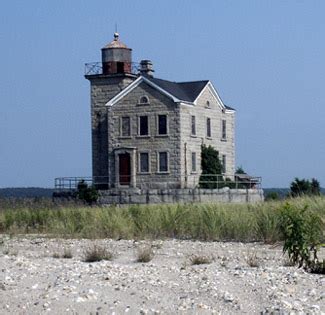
[143,136]
[125,137]
[193,172]
[223,139]
[143,173]
[194,136]
[162,173]
[162,136]
[209,138]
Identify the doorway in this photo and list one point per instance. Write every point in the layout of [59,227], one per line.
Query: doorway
[124,169]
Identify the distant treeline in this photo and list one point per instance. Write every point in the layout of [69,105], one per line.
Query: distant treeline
[283,192]
[25,192]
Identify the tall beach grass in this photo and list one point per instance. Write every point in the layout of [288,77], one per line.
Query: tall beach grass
[222,222]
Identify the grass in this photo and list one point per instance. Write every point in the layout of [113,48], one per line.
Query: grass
[66,254]
[97,253]
[145,254]
[206,222]
[200,259]
[252,260]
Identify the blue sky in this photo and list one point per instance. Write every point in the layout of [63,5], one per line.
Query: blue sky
[266,59]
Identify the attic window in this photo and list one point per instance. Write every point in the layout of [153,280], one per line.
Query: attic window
[144,100]
[207,104]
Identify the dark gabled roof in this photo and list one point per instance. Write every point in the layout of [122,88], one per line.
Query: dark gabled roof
[185,91]
[228,107]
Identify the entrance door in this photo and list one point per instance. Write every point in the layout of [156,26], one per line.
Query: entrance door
[125,169]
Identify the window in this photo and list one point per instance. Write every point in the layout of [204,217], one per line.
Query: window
[193,161]
[144,162]
[193,128]
[163,162]
[126,127]
[207,104]
[162,124]
[223,131]
[144,100]
[143,126]
[209,127]
[224,163]
[120,67]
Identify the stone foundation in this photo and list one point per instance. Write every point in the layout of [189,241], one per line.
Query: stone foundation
[154,196]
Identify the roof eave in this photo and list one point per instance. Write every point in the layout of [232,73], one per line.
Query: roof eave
[133,85]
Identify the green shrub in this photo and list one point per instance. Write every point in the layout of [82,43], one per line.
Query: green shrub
[89,194]
[271,196]
[303,233]
[211,167]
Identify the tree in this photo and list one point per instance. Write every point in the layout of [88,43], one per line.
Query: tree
[315,187]
[211,167]
[240,170]
[300,187]
[87,193]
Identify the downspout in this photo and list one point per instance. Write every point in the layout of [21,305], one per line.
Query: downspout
[185,163]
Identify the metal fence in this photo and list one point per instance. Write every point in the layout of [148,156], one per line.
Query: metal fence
[96,68]
[206,181]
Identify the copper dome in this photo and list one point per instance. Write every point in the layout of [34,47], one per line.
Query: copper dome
[116,43]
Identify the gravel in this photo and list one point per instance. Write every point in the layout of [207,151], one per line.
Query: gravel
[242,278]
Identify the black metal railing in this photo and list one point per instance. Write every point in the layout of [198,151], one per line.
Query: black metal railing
[96,68]
[71,183]
[206,181]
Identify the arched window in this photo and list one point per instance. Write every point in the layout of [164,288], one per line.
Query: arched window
[144,100]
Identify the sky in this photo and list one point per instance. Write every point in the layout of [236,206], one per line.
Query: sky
[265,58]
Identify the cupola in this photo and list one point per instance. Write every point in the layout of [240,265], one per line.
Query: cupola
[116,57]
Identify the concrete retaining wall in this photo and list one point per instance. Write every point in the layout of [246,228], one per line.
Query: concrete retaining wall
[152,196]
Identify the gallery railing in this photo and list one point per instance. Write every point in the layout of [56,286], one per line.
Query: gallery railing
[71,183]
[204,181]
[96,68]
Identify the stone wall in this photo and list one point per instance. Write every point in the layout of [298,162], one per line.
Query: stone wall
[192,143]
[179,143]
[152,143]
[155,196]
[102,89]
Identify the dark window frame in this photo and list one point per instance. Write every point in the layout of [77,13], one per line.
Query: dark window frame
[193,158]
[164,127]
[224,129]
[146,169]
[163,168]
[208,127]
[143,100]
[193,125]
[143,130]
[224,163]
